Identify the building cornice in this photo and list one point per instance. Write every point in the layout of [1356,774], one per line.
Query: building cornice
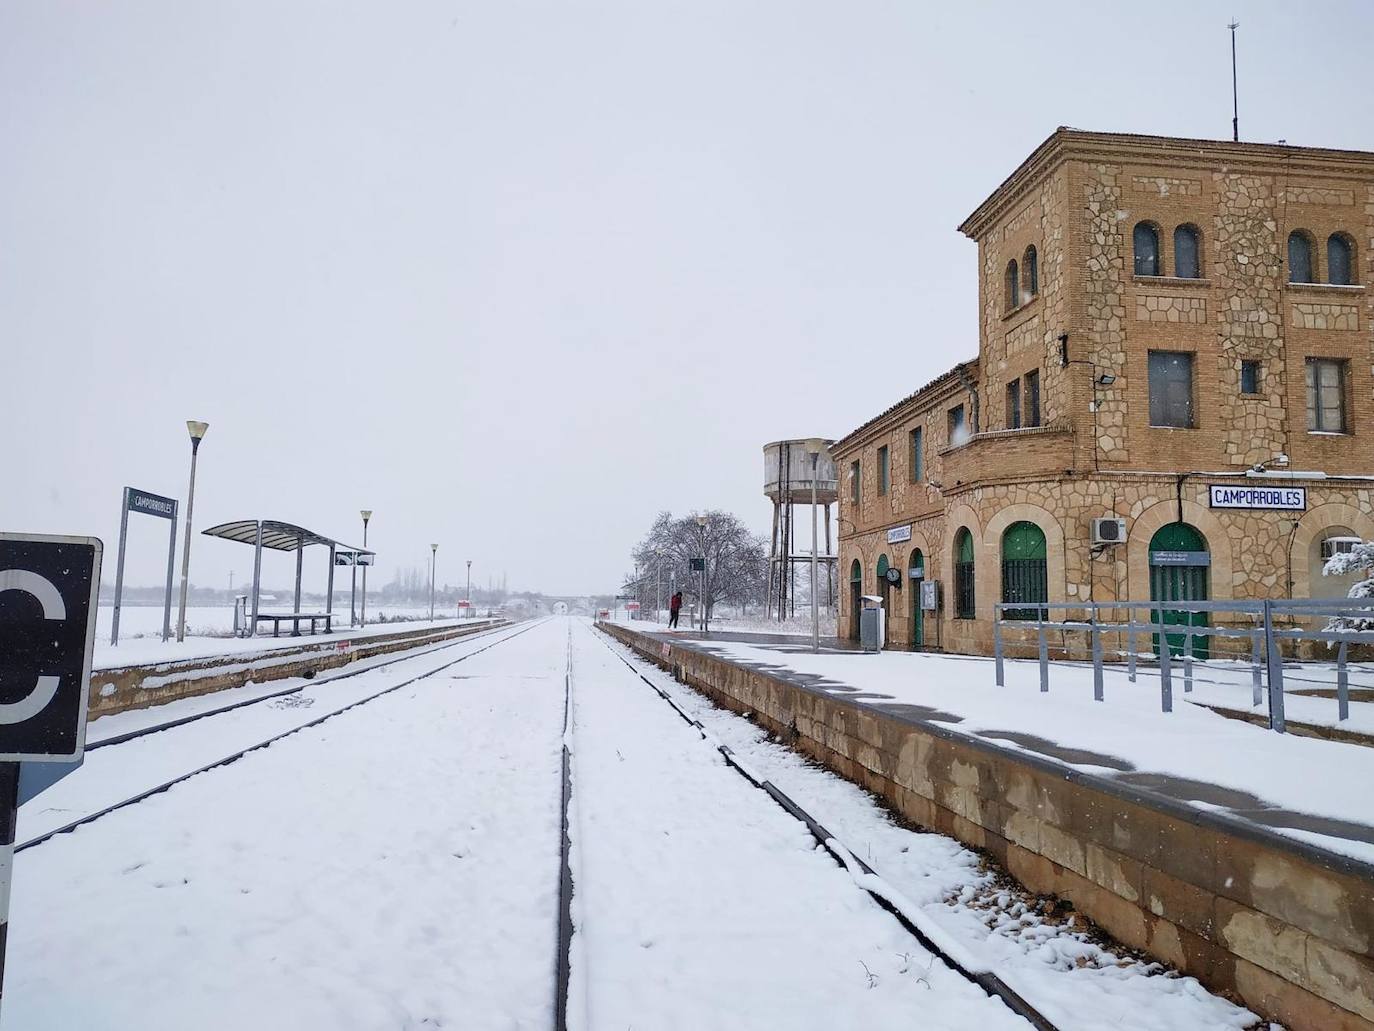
[1066,144]
[941,387]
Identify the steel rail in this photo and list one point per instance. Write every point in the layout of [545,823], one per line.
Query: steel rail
[235,756]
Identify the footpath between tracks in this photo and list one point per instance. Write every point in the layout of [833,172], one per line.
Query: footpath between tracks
[1285,927]
[141,685]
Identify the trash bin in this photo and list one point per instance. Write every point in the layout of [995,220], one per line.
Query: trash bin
[872,625]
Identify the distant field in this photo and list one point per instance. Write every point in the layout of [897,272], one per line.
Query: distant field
[215,620]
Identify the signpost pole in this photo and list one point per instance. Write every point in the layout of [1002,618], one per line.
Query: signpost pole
[119,581]
[329,595]
[9,810]
[353,594]
[171,573]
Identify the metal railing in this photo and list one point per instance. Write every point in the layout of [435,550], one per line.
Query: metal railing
[1272,622]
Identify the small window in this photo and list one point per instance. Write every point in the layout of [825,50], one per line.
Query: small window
[918,473]
[1014,405]
[854,482]
[1187,253]
[958,432]
[1300,257]
[1325,395]
[1013,287]
[1032,406]
[882,470]
[1249,377]
[1030,270]
[1146,239]
[1171,389]
[1340,265]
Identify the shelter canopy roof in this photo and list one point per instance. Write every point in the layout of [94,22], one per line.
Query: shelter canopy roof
[279,536]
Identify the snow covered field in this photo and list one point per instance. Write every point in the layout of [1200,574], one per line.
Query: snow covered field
[397,867]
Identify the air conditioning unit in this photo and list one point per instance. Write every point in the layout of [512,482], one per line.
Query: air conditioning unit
[1333,546]
[1109,531]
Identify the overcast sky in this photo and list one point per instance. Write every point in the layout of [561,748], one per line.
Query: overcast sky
[519,275]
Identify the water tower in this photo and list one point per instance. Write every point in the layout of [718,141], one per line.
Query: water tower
[788,479]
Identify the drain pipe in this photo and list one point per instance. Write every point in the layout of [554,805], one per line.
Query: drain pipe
[972,389]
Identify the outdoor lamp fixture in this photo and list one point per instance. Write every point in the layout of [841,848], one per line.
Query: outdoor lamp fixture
[433,562]
[362,610]
[1106,379]
[814,447]
[197,432]
[469,594]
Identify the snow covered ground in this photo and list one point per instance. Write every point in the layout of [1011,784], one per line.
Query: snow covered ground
[397,867]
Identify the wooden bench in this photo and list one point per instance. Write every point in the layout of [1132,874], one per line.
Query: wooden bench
[295,619]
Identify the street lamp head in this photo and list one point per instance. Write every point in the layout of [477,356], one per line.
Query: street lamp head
[196,429]
[701,520]
[366,514]
[434,547]
[815,445]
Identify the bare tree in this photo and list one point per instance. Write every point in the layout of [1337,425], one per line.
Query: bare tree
[736,560]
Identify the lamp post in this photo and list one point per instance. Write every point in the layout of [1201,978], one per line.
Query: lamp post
[197,431]
[469,594]
[433,562]
[366,513]
[814,446]
[705,624]
[658,583]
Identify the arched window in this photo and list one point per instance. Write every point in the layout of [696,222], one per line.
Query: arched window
[964,607]
[1030,270]
[1013,287]
[1025,579]
[1187,252]
[1146,240]
[1340,260]
[1300,257]
[856,593]
[1330,542]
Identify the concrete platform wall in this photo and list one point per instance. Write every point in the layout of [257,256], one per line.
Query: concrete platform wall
[124,688]
[1285,928]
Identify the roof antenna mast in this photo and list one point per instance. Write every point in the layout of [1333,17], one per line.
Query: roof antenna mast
[1235,102]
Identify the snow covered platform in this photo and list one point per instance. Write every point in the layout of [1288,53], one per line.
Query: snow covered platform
[1233,853]
[147,673]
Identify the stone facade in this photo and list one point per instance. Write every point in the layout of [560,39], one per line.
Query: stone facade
[1083,335]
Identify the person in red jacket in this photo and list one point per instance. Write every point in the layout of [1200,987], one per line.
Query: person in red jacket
[674,609]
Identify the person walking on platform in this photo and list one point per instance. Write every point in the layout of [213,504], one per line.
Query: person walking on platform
[674,609]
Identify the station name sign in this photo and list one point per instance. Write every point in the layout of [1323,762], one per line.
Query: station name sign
[1289,499]
[898,534]
[151,504]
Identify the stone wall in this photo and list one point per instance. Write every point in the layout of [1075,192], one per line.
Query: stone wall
[1285,928]
[122,688]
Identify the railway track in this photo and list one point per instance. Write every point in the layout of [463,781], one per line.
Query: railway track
[238,754]
[419,650]
[930,937]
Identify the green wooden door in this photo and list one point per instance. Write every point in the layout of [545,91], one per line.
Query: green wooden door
[1025,577]
[884,591]
[1179,572]
[916,576]
[856,591]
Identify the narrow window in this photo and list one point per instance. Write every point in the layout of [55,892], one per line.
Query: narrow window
[1187,262]
[1325,395]
[1030,268]
[1340,269]
[964,606]
[1013,287]
[1014,405]
[957,431]
[1299,257]
[1032,408]
[854,482]
[918,473]
[1249,377]
[1171,389]
[882,470]
[1146,239]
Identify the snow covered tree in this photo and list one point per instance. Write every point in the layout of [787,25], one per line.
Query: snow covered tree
[736,560]
[1359,559]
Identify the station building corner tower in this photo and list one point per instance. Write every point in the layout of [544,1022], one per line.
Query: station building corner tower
[1172,393]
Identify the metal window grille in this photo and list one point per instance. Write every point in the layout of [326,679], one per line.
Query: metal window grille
[1033,398]
[963,590]
[1024,581]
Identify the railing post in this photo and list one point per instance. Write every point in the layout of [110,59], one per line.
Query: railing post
[1166,686]
[1097,658]
[1275,663]
[1044,650]
[1130,645]
[1256,689]
[998,663]
[1342,685]
[1188,658]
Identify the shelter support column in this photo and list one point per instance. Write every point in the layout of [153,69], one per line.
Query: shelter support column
[257,578]
[329,594]
[300,561]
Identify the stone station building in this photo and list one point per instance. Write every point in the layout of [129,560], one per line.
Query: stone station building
[1173,333]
